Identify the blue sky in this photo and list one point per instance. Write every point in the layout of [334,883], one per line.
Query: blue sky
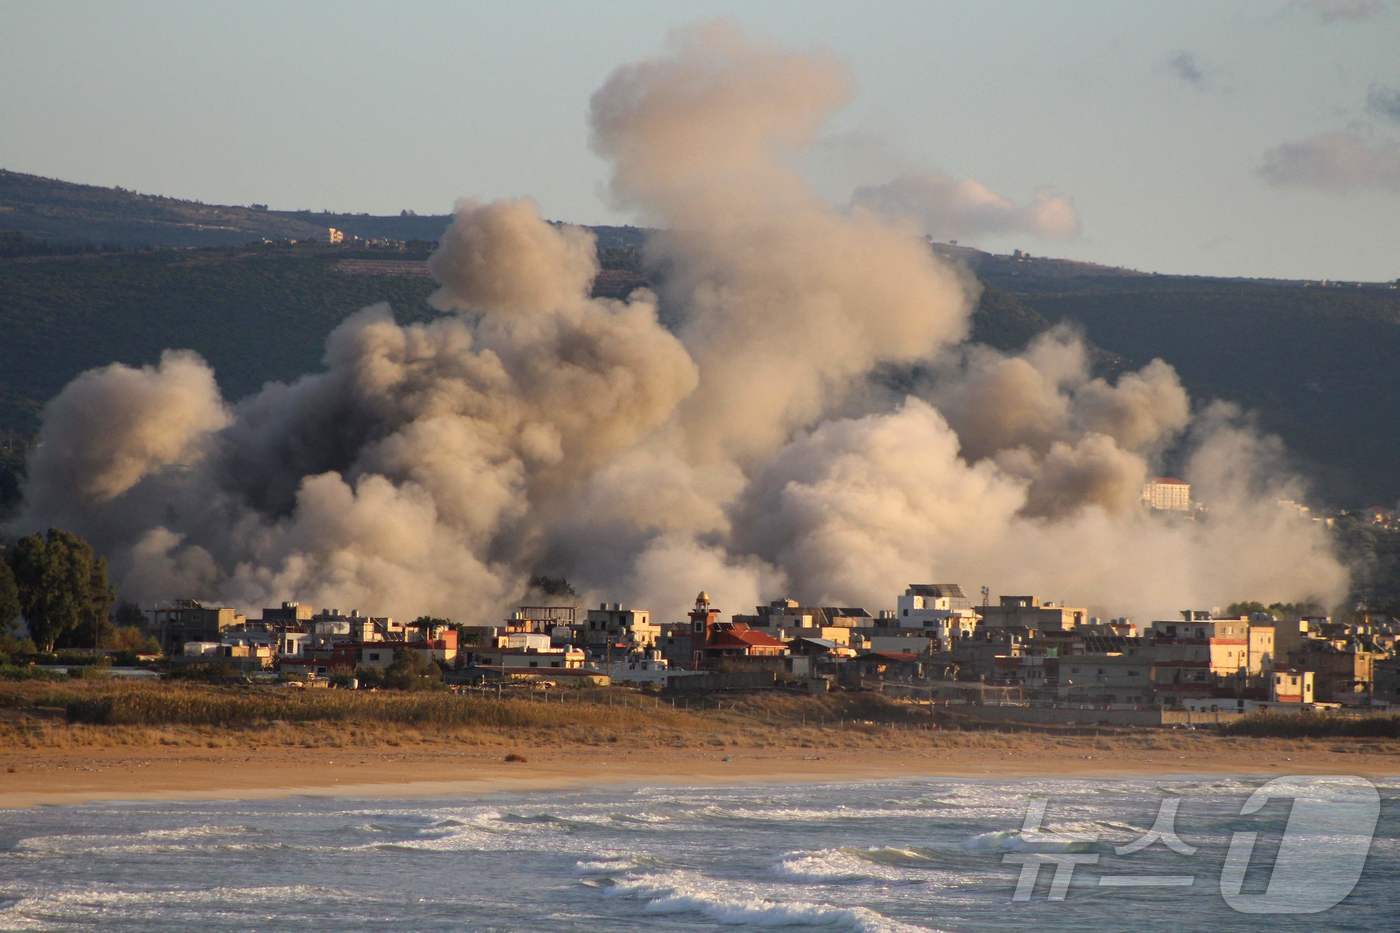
[1257,138]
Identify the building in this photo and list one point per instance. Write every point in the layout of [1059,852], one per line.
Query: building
[683,643]
[1291,686]
[786,619]
[191,620]
[1107,678]
[1026,612]
[1385,687]
[640,668]
[624,629]
[335,236]
[731,640]
[1166,494]
[936,608]
[288,614]
[1345,669]
[1227,647]
[524,660]
[884,665]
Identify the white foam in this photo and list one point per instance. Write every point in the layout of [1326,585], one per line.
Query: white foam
[37,909]
[730,904]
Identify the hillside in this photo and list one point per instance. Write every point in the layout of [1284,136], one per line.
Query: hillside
[1318,365]
[56,211]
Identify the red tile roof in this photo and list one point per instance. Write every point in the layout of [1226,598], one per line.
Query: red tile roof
[743,638]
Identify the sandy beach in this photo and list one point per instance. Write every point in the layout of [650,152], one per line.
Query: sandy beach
[52,776]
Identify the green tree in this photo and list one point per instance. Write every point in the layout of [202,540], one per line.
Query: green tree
[9,598]
[128,614]
[413,670]
[63,590]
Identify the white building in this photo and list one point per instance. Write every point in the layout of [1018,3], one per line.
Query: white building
[648,668]
[936,608]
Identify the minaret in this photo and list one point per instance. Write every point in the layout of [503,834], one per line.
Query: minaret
[702,621]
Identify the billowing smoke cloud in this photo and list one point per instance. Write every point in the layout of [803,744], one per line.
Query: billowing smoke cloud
[110,427]
[948,208]
[432,468]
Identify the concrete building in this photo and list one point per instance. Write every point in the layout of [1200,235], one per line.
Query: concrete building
[1291,686]
[191,620]
[1029,613]
[1345,670]
[624,629]
[1228,647]
[939,608]
[786,619]
[288,614]
[1385,686]
[647,667]
[1107,678]
[1166,494]
[517,660]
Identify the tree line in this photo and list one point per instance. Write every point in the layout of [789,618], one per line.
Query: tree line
[58,585]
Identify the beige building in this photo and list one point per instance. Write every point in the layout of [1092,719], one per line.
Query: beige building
[1292,686]
[1029,613]
[1167,494]
[632,628]
[1228,647]
[191,620]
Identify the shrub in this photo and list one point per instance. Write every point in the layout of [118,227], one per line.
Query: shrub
[1307,725]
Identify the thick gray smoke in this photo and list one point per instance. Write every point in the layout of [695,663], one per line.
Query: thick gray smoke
[432,468]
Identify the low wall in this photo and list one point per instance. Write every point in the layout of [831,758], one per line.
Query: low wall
[1064,715]
[721,680]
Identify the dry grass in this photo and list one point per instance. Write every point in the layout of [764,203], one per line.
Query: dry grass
[91,714]
[1272,725]
[78,715]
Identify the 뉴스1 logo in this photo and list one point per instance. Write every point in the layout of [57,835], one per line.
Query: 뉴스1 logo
[1319,860]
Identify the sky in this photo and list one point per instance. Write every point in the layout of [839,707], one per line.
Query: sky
[1258,138]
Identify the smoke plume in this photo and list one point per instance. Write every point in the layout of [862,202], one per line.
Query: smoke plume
[947,208]
[740,448]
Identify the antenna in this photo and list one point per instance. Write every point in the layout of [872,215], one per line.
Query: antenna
[986,595]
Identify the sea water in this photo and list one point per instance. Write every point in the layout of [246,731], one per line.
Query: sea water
[913,854]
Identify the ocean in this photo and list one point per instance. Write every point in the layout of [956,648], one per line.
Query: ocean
[885,855]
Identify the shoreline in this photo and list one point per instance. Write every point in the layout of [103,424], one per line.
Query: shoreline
[54,777]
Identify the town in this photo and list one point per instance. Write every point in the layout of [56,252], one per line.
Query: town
[1020,658]
[1013,659]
